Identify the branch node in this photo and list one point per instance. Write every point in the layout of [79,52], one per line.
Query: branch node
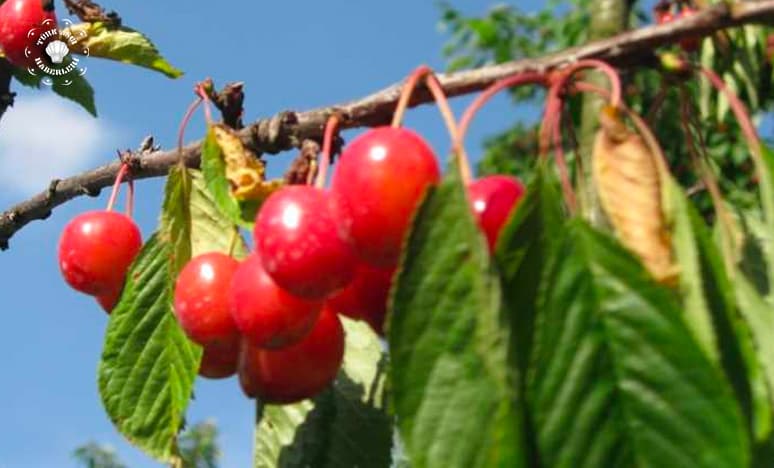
[303,167]
[89,191]
[51,192]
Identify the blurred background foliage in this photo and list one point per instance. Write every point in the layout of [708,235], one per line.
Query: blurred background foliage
[741,56]
[198,449]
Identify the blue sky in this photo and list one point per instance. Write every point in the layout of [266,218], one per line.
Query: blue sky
[291,55]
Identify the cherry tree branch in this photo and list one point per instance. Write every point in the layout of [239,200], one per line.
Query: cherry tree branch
[290,129]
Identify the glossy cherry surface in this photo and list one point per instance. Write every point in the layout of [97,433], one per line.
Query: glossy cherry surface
[220,358]
[267,315]
[299,371]
[17,19]
[301,243]
[96,249]
[109,300]
[365,298]
[493,199]
[379,181]
[202,300]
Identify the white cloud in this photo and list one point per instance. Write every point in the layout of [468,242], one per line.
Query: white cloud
[43,137]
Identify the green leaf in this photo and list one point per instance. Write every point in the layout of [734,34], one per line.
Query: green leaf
[451,390]
[23,77]
[523,250]
[78,90]
[211,231]
[616,378]
[710,311]
[148,366]
[214,170]
[123,45]
[766,173]
[191,222]
[345,426]
[759,315]
[175,227]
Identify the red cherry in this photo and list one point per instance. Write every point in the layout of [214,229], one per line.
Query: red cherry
[17,18]
[300,243]
[109,301]
[202,300]
[380,178]
[266,314]
[96,250]
[220,358]
[493,199]
[297,372]
[366,296]
[689,44]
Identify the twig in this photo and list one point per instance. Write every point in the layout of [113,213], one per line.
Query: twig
[288,129]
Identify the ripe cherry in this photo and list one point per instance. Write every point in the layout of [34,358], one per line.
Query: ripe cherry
[202,299]
[96,250]
[381,177]
[299,371]
[17,18]
[220,358]
[109,300]
[493,199]
[365,298]
[300,242]
[267,315]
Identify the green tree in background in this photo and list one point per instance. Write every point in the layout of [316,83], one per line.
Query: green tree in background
[198,447]
[506,33]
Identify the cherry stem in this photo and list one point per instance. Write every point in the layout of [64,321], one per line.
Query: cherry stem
[561,164]
[484,97]
[425,74]
[640,124]
[130,195]
[742,117]
[184,123]
[436,89]
[407,90]
[551,127]
[116,185]
[325,160]
[207,103]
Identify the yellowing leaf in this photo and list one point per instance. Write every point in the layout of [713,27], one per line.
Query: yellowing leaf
[245,173]
[123,45]
[628,181]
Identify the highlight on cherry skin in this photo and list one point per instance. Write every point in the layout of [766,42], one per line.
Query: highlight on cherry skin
[17,18]
[379,180]
[220,357]
[201,300]
[493,199]
[96,249]
[296,372]
[301,244]
[365,298]
[267,315]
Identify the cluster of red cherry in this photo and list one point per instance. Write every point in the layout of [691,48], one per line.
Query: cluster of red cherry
[318,253]
[273,317]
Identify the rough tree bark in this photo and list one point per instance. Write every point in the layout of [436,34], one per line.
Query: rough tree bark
[289,129]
